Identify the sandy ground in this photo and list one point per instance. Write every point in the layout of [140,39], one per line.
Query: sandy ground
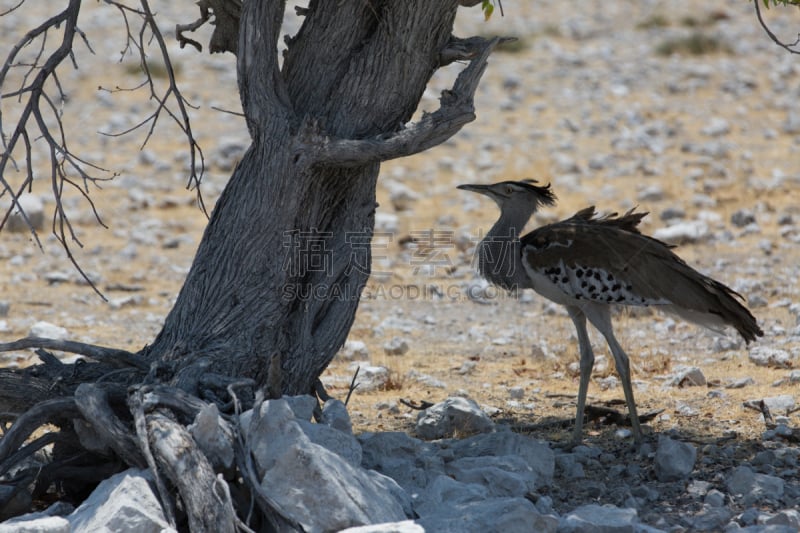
[580,85]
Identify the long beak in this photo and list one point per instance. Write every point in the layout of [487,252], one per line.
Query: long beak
[480,189]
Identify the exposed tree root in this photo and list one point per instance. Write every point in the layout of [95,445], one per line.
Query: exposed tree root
[111,356]
[208,505]
[98,418]
[46,412]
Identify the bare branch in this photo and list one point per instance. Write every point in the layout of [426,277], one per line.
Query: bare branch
[27,450]
[185,124]
[12,8]
[111,356]
[791,48]
[459,49]
[456,110]
[31,110]
[226,15]
[192,26]
[40,121]
[172,91]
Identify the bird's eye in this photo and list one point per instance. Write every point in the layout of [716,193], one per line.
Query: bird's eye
[509,189]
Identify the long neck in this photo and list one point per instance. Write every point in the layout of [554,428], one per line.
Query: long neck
[498,254]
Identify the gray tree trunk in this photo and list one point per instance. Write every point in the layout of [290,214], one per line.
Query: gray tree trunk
[276,281]
[285,256]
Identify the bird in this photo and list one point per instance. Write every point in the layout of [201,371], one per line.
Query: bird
[589,263]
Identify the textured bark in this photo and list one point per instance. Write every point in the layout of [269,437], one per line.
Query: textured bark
[275,284]
[205,496]
[351,80]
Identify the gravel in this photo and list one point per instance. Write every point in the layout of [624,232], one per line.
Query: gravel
[587,105]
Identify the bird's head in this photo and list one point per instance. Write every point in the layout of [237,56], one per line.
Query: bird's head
[516,196]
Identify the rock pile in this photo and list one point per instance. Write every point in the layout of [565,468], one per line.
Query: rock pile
[325,478]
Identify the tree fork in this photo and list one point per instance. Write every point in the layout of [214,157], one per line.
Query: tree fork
[319,135]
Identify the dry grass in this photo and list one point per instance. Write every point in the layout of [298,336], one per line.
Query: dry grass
[541,344]
[696,44]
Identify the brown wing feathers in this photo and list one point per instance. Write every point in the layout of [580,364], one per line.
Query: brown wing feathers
[645,268]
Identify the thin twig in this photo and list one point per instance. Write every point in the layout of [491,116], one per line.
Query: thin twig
[788,47]
[421,407]
[352,387]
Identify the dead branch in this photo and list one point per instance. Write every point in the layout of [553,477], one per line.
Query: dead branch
[136,404]
[176,400]
[208,506]
[37,104]
[421,406]
[111,356]
[45,412]
[459,49]
[192,26]
[353,386]
[93,403]
[456,110]
[40,123]
[274,377]
[28,450]
[609,416]
[172,92]
[762,407]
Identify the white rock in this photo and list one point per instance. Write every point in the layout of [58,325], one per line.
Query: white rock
[771,357]
[411,462]
[401,195]
[354,349]
[207,431]
[386,223]
[779,405]
[313,485]
[536,453]
[716,127]
[48,331]
[454,416]
[406,526]
[652,193]
[302,405]
[123,503]
[335,415]
[396,346]
[371,377]
[687,377]
[42,524]
[444,491]
[34,209]
[516,393]
[342,444]
[683,232]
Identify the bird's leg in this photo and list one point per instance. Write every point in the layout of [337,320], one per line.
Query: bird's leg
[586,364]
[601,319]
[624,371]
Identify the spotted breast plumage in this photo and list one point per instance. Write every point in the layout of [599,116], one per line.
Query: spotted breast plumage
[588,263]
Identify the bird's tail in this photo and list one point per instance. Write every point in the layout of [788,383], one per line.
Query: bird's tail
[716,305]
